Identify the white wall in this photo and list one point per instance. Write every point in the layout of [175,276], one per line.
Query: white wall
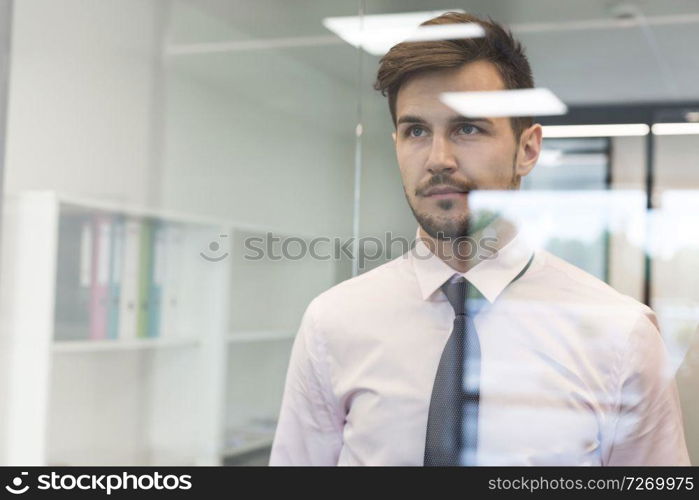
[258,136]
[383,206]
[5,24]
[81,96]
[235,158]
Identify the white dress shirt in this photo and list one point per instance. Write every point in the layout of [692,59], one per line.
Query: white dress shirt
[572,371]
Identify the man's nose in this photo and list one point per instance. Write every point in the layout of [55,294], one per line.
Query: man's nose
[441,155]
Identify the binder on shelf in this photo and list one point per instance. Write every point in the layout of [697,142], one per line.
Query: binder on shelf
[99,300]
[144,266]
[73,277]
[129,301]
[155,271]
[115,276]
[173,262]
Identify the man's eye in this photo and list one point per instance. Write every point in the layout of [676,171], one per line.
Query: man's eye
[415,131]
[469,129]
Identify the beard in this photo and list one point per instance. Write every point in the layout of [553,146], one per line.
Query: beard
[451,226]
[444,227]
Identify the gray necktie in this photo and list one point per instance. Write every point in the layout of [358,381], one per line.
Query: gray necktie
[452,424]
[453,418]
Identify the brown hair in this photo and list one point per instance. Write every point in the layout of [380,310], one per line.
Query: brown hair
[498,46]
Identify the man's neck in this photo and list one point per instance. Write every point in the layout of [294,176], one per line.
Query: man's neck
[478,247]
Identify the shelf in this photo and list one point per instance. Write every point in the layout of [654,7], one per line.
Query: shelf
[260,336]
[176,392]
[121,345]
[252,445]
[253,437]
[136,210]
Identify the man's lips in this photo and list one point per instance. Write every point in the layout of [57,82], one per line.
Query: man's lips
[439,192]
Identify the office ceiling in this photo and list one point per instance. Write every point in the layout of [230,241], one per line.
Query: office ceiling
[579,49]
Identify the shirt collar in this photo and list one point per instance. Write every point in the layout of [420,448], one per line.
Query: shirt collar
[489,276]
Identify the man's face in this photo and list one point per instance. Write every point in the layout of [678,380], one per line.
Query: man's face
[439,149]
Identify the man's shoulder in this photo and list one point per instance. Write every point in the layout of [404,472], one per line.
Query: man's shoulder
[380,277]
[571,283]
[366,289]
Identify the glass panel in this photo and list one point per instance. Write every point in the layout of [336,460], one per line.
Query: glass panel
[224,132]
[259,119]
[584,202]
[675,256]
[573,165]
[196,193]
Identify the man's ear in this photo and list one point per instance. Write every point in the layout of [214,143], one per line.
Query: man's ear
[529,149]
[393,134]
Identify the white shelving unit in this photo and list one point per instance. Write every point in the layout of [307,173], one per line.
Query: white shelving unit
[211,391]
[261,336]
[121,345]
[267,300]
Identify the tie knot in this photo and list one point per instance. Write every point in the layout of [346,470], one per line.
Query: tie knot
[456,293]
[461,295]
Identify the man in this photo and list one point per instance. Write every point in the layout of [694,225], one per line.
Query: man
[445,357]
